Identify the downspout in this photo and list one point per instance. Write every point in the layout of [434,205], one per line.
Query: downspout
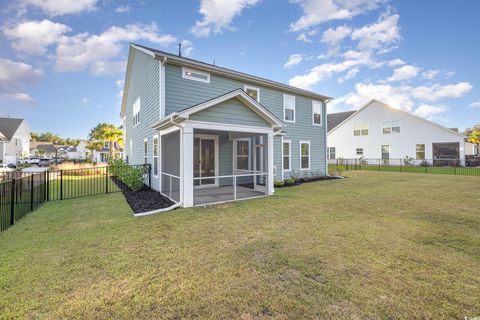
[326,134]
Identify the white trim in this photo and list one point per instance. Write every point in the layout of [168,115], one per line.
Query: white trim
[185,75]
[145,156]
[313,113]
[245,87]
[136,112]
[289,156]
[294,108]
[270,188]
[226,127]
[168,130]
[155,136]
[217,160]
[226,201]
[235,155]
[309,154]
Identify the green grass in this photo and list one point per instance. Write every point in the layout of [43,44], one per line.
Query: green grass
[375,245]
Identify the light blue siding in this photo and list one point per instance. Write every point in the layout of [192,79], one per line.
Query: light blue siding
[232,111]
[143,84]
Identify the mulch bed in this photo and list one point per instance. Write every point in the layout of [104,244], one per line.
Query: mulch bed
[143,200]
[301,181]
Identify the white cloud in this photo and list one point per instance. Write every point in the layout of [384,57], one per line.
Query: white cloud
[334,36]
[304,38]
[350,75]
[378,35]
[187,48]
[395,62]
[62,7]
[33,37]
[12,76]
[404,73]
[123,9]
[97,52]
[436,91]
[319,11]
[294,60]
[475,104]
[429,111]
[218,15]
[430,74]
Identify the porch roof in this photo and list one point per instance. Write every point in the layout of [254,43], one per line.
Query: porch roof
[177,117]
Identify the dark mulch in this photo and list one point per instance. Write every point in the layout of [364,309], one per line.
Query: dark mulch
[143,200]
[303,180]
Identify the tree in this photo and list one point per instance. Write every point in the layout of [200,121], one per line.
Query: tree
[94,146]
[53,137]
[473,134]
[110,133]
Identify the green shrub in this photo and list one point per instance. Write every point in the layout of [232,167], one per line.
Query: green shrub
[117,167]
[89,161]
[289,182]
[295,175]
[132,177]
[408,161]
[340,170]
[278,184]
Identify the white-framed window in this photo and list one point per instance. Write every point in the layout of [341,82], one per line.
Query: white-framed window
[287,155]
[360,129]
[145,151]
[385,152]
[155,156]
[195,75]
[304,155]
[136,112]
[359,151]
[317,113]
[288,108]
[331,153]
[106,144]
[390,127]
[420,151]
[252,92]
[242,154]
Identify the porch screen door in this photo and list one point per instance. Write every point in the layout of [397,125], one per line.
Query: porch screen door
[204,158]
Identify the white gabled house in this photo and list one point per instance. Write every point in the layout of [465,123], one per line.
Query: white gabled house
[378,131]
[14,140]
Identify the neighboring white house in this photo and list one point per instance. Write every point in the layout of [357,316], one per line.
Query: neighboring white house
[77,152]
[102,154]
[378,131]
[14,140]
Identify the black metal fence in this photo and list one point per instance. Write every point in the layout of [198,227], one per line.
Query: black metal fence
[435,166]
[22,193]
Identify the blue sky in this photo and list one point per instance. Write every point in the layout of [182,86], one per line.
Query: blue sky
[62,63]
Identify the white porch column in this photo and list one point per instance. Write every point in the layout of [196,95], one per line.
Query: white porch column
[270,164]
[186,166]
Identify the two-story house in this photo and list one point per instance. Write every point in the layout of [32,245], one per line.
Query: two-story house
[14,140]
[378,131]
[213,134]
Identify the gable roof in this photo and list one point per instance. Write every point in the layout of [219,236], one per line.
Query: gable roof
[334,119]
[239,94]
[211,68]
[45,146]
[398,110]
[8,127]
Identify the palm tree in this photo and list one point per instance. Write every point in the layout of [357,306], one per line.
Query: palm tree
[94,146]
[110,133]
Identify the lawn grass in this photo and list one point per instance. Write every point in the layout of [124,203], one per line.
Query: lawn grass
[375,245]
[460,171]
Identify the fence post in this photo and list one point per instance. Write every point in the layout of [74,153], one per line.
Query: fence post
[401,165]
[455,166]
[47,179]
[12,203]
[61,184]
[149,176]
[106,179]
[31,192]
[378,164]
[235,187]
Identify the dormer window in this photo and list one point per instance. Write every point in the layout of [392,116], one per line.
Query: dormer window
[252,92]
[195,75]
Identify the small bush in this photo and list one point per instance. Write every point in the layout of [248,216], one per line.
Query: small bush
[408,161]
[132,177]
[340,169]
[362,161]
[290,182]
[295,175]
[278,184]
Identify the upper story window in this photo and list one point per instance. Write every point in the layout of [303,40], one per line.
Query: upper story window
[288,108]
[252,92]
[195,75]
[360,129]
[317,113]
[391,127]
[136,112]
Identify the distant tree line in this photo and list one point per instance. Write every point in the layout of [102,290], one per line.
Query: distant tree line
[53,137]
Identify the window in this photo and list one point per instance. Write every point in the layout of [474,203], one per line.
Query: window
[286,155]
[360,129]
[288,108]
[136,112]
[243,154]
[385,152]
[420,151]
[331,153]
[252,92]
[195,75]
[317,113]
[145,151]
[359,151]
[391,127]
[304,155]
[106,145]
[155,156]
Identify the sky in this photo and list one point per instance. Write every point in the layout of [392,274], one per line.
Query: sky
[62,62]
